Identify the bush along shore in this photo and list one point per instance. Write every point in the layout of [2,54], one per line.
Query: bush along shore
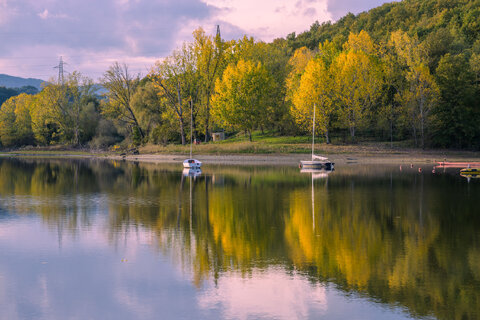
[264,148]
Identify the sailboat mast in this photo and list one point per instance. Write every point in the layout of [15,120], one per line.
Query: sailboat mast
[313,131]
[191,126]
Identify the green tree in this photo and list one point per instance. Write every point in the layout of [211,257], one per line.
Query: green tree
[177,82]
[79,92]
[154,115]
[6,93]
[457,114]
[392,113]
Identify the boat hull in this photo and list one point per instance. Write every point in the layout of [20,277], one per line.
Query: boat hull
[317,165]
[192,163]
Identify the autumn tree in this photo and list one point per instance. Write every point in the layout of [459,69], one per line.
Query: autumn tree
[297,64]
[358,80]
[242,97]
[15,121]
[121,85]
[44,126]
[315,89]
[177,81]
[274,58]
[209,55]
[420,93]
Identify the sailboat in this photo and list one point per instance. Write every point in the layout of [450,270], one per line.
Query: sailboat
[317,162]
[190,162]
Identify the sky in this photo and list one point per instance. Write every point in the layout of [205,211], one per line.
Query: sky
[90,35]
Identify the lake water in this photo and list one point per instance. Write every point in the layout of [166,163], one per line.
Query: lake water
[115,240]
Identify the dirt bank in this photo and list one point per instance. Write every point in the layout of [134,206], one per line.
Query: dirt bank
[293,159]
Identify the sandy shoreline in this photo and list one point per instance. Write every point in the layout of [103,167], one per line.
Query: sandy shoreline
[294,159]
[272,159]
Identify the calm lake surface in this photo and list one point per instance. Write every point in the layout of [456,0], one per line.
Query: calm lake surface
[114,240]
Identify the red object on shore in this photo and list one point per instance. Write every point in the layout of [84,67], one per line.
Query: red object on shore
[459,164]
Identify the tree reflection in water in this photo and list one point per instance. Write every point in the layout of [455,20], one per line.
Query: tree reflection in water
[402,238]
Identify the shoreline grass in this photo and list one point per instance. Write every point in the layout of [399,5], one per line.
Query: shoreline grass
[262,144]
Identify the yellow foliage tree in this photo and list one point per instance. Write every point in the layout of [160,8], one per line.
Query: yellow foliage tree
[242,97]
[360,42]
[315,89]
[15,121]
[358,79]
[421,92]
[44,126]
[297,64]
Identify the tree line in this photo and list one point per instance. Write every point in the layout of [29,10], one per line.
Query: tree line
[366,79]
[6,93]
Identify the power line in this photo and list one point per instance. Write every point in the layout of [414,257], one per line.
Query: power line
[153,55]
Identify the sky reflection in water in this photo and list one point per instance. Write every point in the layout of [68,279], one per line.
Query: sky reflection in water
[121,241]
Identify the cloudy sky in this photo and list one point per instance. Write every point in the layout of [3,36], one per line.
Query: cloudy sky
[91,34]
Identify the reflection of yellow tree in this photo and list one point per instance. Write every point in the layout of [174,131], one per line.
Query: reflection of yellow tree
[397,244]
[339,240]
[363,247]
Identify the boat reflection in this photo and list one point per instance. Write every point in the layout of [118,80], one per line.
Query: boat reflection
[318,173]
[192,172]
[241,236]
[470,173]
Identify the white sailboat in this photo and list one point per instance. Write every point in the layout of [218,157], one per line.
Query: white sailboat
[190,162]
[317,162]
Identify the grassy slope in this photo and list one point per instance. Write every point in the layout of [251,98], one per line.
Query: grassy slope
[267,144]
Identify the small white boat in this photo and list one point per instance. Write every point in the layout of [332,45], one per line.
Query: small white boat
[192,163]
[317,162]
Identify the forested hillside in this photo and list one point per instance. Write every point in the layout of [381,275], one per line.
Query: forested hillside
[446,34]
[430,20]
[406,71]
[6,93]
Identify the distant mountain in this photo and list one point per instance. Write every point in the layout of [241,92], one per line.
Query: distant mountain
[17,82]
